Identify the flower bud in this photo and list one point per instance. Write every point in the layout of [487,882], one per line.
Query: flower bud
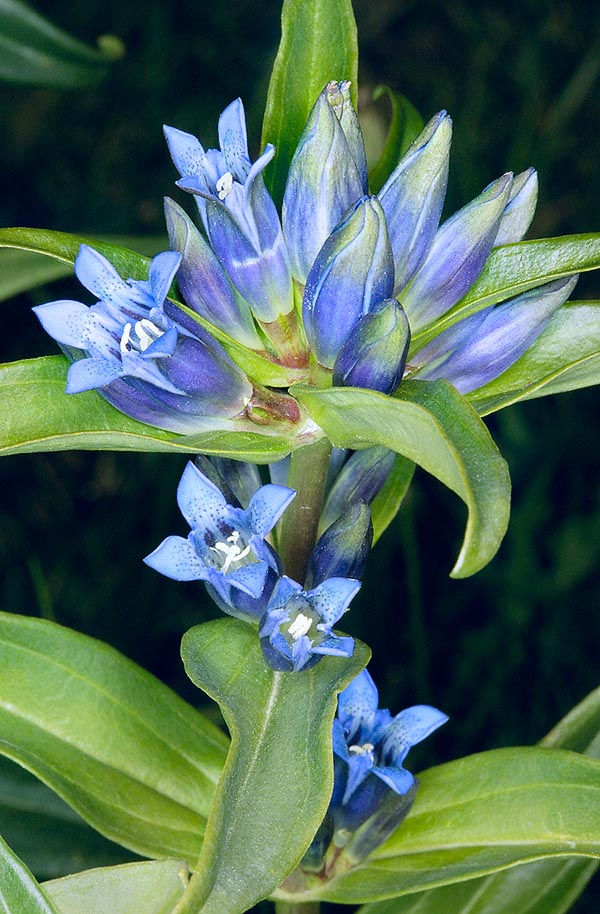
[342,551]
[353,271]
[327,175]
[374,354]
[520,209]
[359,480]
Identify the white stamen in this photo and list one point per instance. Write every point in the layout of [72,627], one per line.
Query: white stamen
[141,336]
[231,551]
[365,749]
[300,626]
[224,185]
[125,338]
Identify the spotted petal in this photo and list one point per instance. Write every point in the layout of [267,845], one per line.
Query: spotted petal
[88,374]
[162,273]
[69,322]
[233,139]
[176,558]
[357,704]
[198,499]
[267,505]
[408,728]
[186,151]
[331,598]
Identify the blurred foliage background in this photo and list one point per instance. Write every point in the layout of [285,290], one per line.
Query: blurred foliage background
[506,653]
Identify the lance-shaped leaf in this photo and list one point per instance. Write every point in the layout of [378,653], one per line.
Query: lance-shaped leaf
[278,777]
[479,815]
[151,887]
[566,356]
[544,887]
[123,750]
[37,415]
[432,425]
[64,247]
[318,44]
[19,891]
[405,125]
[514,268]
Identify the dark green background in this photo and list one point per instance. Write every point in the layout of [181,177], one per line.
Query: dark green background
[505,653]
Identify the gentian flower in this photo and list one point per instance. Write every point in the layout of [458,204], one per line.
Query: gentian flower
[131,348]
[374,354]
[359,479]
[295,632]
[343,549]
[226,547]
[238,214]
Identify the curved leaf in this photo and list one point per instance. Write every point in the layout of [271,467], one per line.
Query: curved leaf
[432,425]
[544,887]
[35,52]
[478,815]
[318,44]
[278,778]
[405,125]
[136,762]
[64,247]
[151,887]
[387,502]
[514,268]
[566,356]
[37,415]
[19,892]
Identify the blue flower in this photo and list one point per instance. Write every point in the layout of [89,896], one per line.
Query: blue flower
[131,347]
[295,631]
[238,214]
[226,547]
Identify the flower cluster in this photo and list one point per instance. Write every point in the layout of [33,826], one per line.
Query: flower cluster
[335,287]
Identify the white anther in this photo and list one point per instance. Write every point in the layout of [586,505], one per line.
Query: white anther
[365,749]
[224,185]
[300,626]
[147,333]
[231,551]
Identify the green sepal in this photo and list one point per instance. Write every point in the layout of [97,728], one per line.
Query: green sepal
[566,356]
[64,247]
[515,268]
[132,758]
[150,887]
[19,891]
[318,44]
[278,778]
[433,426]
[405,125]
[479,815]
[37,415]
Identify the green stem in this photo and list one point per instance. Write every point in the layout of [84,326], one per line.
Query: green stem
[300,523]
[194,896]
[297,907]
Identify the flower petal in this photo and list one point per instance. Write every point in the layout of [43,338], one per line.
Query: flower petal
[408,728]
[176,558]
[186,151]
[267,505]
[233,139]
[87,374]
[331,598]
[162,273]
[199,500]
[69,322]
[520,209]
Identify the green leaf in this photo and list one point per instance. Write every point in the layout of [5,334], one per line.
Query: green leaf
[566,356]
[19,892]
[37,415]
[432,425]
[318,44]
[64,247]
[514,268]
[151,887]
[405,125]
[545,887]
[278,778]
[386,503]
[134,760]
[35,52]
[44,831]
[478,815]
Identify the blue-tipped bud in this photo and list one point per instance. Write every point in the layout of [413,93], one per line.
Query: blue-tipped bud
[520,209]
[327,175]
[457,256]
[203,282]
[359,480]
[481,347]
[353,271]
[374,355]
[342,551]
[413,196]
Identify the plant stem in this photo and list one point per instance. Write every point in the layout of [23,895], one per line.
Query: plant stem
[308,475]
[297,907]
[193,898]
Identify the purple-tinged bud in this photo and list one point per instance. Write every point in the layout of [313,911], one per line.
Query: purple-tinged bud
[481,347]
[374,355]
[327,175]
[353,271]
[520,209]
[342,551]
[413,197]
[457,256]
[203,282]
[360,479]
